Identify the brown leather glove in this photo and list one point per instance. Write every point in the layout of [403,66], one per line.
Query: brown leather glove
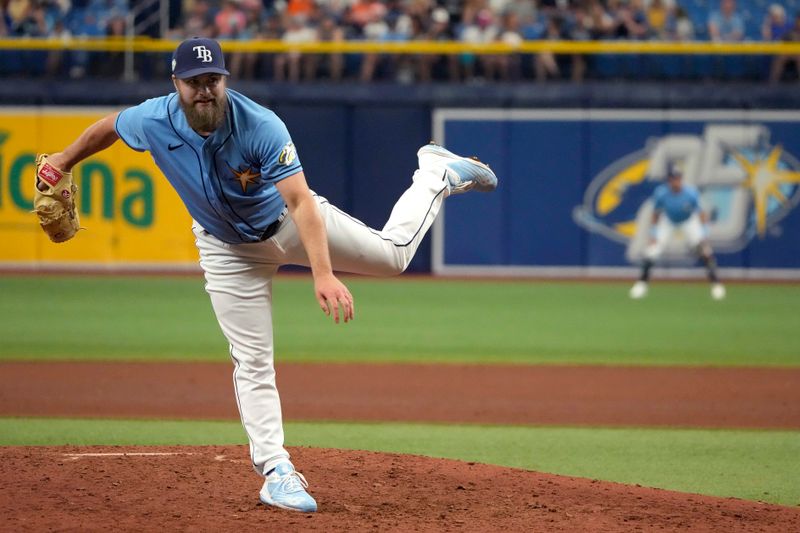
[54,201]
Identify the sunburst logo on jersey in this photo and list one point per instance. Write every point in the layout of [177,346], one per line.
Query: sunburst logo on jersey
[765,179]
[245,176]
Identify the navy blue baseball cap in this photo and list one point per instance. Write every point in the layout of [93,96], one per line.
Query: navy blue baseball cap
[198,56]
[674,170]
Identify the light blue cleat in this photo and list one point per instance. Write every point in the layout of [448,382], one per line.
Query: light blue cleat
[462,173]
[285,487]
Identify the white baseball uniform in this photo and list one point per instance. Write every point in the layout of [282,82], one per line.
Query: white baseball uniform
[244,234]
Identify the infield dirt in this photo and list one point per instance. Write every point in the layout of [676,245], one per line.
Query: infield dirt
[213,488]
[503,394]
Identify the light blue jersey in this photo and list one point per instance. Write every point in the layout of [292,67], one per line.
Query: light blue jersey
[678,207]
[226,180]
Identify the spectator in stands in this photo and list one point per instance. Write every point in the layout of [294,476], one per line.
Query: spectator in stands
[525,10]
[416,9]
[271,30]
[108,10]
[579,30]
[780,62]
[23,20]
[374,28]
[405,24]
[726,25]
[775,26]
[54,12]
[300,8]
[54,23]
[297,31]
[658,14]
[544,63]
[631,20]
[272,27]
[332,64]
[230,21]
[113,62]
[599,24]
[16,12]
[550,8]
[198,21]
[508,65]
[243,64]
[590,20]
[468,21]
[438,29]
[84,23]
[469,32]
[336,9]
[479,27]
[398,25]
[116,27]
[5,20]
[679,26]
[233,23]
[363,12]
[31,21]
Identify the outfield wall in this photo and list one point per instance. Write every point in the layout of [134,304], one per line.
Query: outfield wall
[134,220]
[561,208]
[576,188]
[129,214]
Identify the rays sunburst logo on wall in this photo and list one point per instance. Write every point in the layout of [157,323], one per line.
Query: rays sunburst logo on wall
[747,184]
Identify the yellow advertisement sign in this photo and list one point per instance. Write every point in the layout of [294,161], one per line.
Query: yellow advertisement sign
[130,213]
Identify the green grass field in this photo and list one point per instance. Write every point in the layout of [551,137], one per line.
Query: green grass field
[422,320]
[453,321]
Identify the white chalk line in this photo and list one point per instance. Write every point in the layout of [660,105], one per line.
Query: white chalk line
[76,456]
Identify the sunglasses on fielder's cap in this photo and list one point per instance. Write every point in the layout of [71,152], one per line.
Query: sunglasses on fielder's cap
[198,56]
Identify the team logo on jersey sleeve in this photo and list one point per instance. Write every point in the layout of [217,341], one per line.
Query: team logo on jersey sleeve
[245,176]
[288,154]
[747,184]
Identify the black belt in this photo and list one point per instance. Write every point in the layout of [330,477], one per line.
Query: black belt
[272,229]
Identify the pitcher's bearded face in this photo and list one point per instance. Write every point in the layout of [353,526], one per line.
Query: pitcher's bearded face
[203,101]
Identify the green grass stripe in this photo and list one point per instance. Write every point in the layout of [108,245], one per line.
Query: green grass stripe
[757,465]
[87,432]
[409,320]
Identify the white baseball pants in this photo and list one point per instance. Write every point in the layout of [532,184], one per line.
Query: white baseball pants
[239,282]
[691,230]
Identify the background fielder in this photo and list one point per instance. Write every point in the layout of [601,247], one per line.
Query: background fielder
[236,169]
[682,216]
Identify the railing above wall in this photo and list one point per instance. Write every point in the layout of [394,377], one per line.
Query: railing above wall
[525,47]
[143,44]
[144,58]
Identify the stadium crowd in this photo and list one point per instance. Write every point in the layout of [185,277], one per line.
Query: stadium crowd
[471,21]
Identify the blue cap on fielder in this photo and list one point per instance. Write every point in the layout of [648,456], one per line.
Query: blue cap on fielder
[198,56]
[674,170]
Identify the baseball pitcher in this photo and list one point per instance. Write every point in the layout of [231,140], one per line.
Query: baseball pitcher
[233,164]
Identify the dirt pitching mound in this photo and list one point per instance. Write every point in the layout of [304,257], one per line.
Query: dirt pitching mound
[212,488]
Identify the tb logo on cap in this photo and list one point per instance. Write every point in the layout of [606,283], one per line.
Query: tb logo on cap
[203,53]
[197,56]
